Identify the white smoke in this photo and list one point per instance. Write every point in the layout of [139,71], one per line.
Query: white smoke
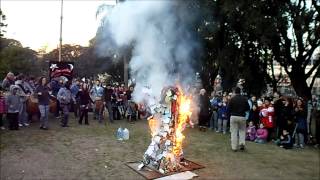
[163,46]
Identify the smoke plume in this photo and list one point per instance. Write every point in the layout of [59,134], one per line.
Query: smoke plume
[163,46]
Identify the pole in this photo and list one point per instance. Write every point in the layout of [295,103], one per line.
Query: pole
[60,45]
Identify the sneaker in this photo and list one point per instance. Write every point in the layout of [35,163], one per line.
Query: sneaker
[217,131]
[20,125]
[2,128]
[26,124]
[301,146]
[224,132]
[242,148]
[295,145]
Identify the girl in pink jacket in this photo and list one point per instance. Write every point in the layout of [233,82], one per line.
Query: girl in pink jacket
[262,135]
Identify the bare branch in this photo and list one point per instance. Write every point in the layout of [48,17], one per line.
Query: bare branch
[314,78]
[314,67]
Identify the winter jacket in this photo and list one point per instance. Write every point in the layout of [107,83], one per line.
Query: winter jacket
[3,108]
[251,133]
[6,83]
[97,91]
[84,97]
[300,118]
[238,106]
[13,101]
[286,141]
[22,92]
[44,97]
[262,133]
[223,111]
[204,105]
[64,96]
[267,116]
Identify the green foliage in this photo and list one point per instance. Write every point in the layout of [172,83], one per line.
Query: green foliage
[17,59]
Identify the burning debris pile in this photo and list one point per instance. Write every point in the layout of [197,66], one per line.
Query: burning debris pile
[169,119]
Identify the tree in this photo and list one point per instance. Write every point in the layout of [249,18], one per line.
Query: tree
[2,23]
[17,59]
[295,39]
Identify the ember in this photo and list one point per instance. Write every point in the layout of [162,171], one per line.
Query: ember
[169,119]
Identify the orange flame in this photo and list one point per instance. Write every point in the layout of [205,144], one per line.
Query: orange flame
[184,113]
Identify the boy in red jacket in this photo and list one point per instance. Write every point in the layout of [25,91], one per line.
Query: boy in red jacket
[267,117]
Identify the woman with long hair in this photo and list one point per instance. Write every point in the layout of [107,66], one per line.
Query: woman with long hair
[42,91]
[84,100]
[300,117]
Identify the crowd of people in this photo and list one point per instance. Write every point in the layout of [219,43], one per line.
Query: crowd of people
[287,121]
[283,120]
[23,97]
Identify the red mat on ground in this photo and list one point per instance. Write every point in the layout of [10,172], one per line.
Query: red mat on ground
[149,173]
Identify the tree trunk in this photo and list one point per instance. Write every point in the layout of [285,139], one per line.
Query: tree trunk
[299,83]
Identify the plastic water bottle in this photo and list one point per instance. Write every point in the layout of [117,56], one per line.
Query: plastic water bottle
[125,134]
[120,134]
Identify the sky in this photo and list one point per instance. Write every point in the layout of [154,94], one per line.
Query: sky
[36,23]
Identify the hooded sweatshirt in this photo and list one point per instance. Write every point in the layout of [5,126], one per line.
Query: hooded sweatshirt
[13,101]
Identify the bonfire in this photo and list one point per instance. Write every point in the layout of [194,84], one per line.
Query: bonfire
[169,119]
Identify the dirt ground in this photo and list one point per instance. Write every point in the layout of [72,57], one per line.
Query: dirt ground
[92,152]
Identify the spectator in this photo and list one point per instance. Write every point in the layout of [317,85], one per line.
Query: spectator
[108,101]
[300,116]
[84,101]
[3,108]
[285,140]
[23,93]
[267,116]
[97,92]
[262,134]
[8,81]
[56,85]
[285,116]
[42,91]
[65,99]
[75,87]
[251,132]
[204,110]
[13,103]
[238,105]
[222,116]
[215,100]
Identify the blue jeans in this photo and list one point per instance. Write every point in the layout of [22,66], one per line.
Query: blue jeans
[214,121]
[44,113]
[23,116]
[110,111]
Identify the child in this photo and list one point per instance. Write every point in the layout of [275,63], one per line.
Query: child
[13,103]
[285,140]
[251,132]
[131,112]
[262,135]
[2,108]
[222,116]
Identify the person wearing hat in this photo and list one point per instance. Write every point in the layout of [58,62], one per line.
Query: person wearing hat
[238,105]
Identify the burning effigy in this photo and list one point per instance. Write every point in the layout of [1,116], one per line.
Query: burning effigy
[169,119]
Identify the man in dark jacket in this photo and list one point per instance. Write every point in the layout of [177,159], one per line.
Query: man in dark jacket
[238,106]
[108,101]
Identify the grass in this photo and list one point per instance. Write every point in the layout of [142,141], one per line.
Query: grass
[92,152]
